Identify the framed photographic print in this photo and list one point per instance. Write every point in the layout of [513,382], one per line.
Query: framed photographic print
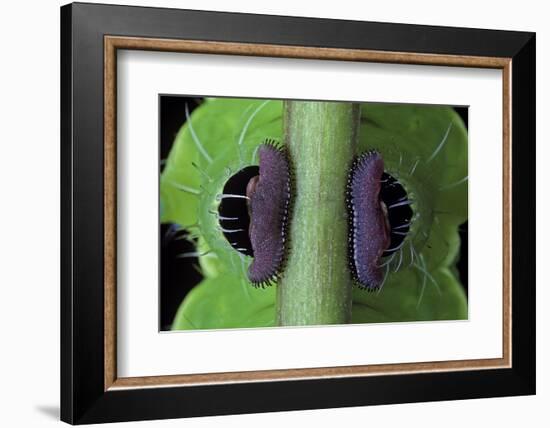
[265,213]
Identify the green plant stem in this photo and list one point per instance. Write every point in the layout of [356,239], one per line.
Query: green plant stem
[316,286]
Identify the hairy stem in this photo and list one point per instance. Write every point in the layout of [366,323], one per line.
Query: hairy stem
[316,286]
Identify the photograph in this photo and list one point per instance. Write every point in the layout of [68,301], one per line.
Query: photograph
[263,211]
[288,212]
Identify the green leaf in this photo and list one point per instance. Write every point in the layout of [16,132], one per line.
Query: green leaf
[230,302]
[426,149]
[226,302]
[217,124]
[412,296]
[407,135]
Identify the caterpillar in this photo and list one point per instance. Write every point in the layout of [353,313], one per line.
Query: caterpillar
[368,228]
[269,195]
[254,212]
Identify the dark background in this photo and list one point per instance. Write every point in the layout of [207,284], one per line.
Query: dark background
[179,275]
